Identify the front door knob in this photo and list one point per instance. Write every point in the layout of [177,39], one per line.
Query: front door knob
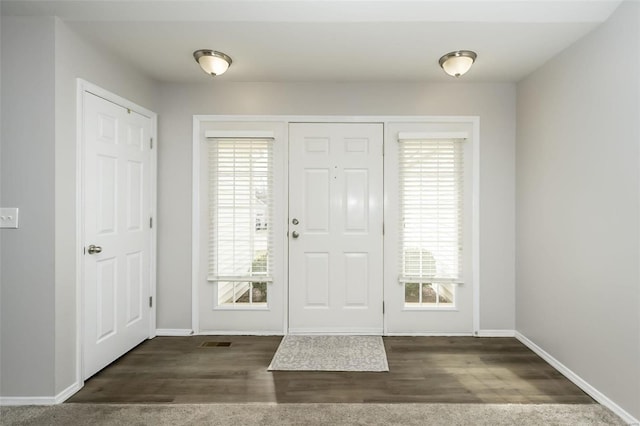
[94,249]
[295,234]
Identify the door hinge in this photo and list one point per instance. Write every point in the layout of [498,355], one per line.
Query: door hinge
[382,228]
[383,149]
[151,222]
[383,307]
[151,301]
[150,143]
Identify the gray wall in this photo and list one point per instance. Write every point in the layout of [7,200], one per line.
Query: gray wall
[494,103]
[578,195]
[27,180]
[38,175]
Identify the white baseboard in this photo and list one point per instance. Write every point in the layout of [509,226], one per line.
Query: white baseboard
[429,334]
[328,332]
[578,381]
[42,400]
[239,333]
[27,400]
[174,332]
[68,392]
[496,333]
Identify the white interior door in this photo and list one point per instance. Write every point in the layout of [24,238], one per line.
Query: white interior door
[117,235]
[335,228]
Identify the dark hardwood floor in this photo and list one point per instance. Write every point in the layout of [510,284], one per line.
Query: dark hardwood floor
[422,369]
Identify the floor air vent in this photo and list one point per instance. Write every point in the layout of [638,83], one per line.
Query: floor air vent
[215,344]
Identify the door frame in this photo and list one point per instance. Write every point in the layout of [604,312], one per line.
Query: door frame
[83,86]
[474,121]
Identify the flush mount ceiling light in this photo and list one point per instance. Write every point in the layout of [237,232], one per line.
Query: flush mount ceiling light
[457,63]
[212,62]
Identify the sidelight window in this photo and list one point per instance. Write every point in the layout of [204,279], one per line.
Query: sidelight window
[431,197]
[240,220]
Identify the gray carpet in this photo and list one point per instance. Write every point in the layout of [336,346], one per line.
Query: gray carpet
[330,353]
[309,414]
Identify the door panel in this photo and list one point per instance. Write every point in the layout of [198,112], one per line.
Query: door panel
[317,280]
[135,190]
[356,279]
[106,298]
[106,192]
[356,201]
[316,213]
[117,207]
[135,280]
[335,194]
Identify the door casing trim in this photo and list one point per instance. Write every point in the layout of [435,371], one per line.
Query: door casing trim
[288,119]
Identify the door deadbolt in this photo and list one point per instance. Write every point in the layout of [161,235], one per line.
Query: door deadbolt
[295,221]
[94,249]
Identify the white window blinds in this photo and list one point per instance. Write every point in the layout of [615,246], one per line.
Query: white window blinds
[240,209]
[431,185]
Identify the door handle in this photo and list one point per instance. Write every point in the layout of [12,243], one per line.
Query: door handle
[295,234]
[94,249]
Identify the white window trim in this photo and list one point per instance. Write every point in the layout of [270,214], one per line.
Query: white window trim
[432,135]
[239,134]
[468,323]
[417,141]
[243,128]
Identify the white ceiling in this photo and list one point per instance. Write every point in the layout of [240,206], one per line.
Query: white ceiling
[324,40]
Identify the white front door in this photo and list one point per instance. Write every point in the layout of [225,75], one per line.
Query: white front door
[335,228]
[117,180]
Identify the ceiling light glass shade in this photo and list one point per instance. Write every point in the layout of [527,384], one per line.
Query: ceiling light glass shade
[457,63]
[212,62]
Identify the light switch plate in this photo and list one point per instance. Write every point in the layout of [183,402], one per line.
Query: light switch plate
[9,217]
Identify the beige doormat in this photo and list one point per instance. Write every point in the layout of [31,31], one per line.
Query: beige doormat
[330,353]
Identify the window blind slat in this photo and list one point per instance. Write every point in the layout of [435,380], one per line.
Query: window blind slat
[240,209]
[431,197]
